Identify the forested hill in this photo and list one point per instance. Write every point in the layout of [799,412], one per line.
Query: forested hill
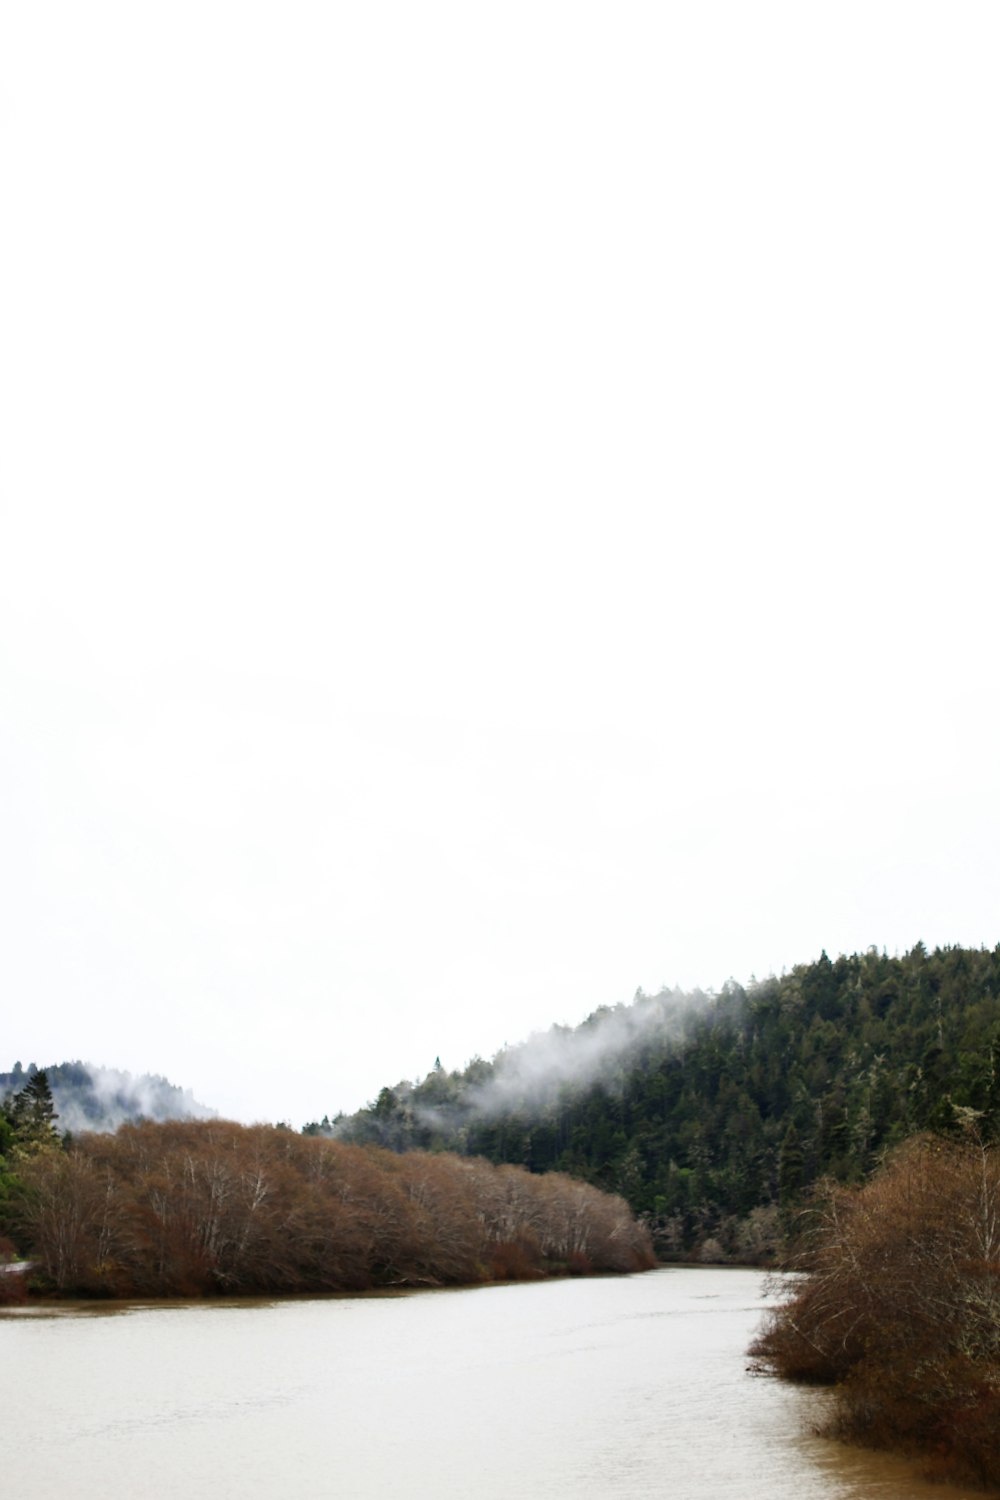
[712,1114]
[87,1097]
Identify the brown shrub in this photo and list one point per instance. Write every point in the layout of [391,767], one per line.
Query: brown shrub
[190,1208]
[900,1308]
[514,1260]
[13,1288]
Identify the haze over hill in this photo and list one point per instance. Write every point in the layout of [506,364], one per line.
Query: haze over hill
[700,1109]
[704,1110]
[88,1097]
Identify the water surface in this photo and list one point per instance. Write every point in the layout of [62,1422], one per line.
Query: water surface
[614,1387]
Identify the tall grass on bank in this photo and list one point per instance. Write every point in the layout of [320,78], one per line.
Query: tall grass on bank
[900,1309]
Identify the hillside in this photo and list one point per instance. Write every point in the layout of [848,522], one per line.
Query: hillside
[95,1098]
[713,1114]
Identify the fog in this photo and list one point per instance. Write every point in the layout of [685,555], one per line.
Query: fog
[89,1097]
[497,507]
[528,1077]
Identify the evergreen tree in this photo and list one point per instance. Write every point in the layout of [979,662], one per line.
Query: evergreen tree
[32,1113]
[991,1112]
[691,1107]
[790,1167]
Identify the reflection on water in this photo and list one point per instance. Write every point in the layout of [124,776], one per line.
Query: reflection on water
[619,1387]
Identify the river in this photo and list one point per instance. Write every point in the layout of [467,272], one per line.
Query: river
[591,1389]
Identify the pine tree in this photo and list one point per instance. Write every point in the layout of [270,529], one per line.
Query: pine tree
[32,1112]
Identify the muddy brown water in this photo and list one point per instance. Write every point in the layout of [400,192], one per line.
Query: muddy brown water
[619,1387]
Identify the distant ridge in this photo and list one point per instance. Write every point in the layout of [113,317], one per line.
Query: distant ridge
[97,1098]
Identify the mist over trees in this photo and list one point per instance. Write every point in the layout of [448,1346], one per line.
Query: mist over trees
[713,1115]
[87,1097]
[858,1097]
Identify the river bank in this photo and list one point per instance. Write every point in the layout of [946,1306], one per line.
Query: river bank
[899,1309]
[194,1208]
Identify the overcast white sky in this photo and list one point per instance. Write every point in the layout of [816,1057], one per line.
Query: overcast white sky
[499,507]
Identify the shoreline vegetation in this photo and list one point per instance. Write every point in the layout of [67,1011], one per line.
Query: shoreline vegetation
[713,1116]
[857,1098]
[899,1309]
[210,1208]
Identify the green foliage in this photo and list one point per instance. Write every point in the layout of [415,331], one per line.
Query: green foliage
[720,1105]
[27,1129]
[790,1162]
[32,1113]
[8,1181]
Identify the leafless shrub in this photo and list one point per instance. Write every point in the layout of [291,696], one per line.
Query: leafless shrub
[900,1308]
[187,1208]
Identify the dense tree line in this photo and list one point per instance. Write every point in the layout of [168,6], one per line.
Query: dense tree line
[900,1307]
[713,1115]
[27,1130]
[198,1207]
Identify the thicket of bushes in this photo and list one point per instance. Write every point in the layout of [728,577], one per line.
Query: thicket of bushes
[197,1207]
[900,1308]
[13,1284]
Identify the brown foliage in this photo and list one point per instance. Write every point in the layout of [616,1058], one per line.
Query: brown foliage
[900,1308]
[194,1207]
[514,1260]
[13,1288]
